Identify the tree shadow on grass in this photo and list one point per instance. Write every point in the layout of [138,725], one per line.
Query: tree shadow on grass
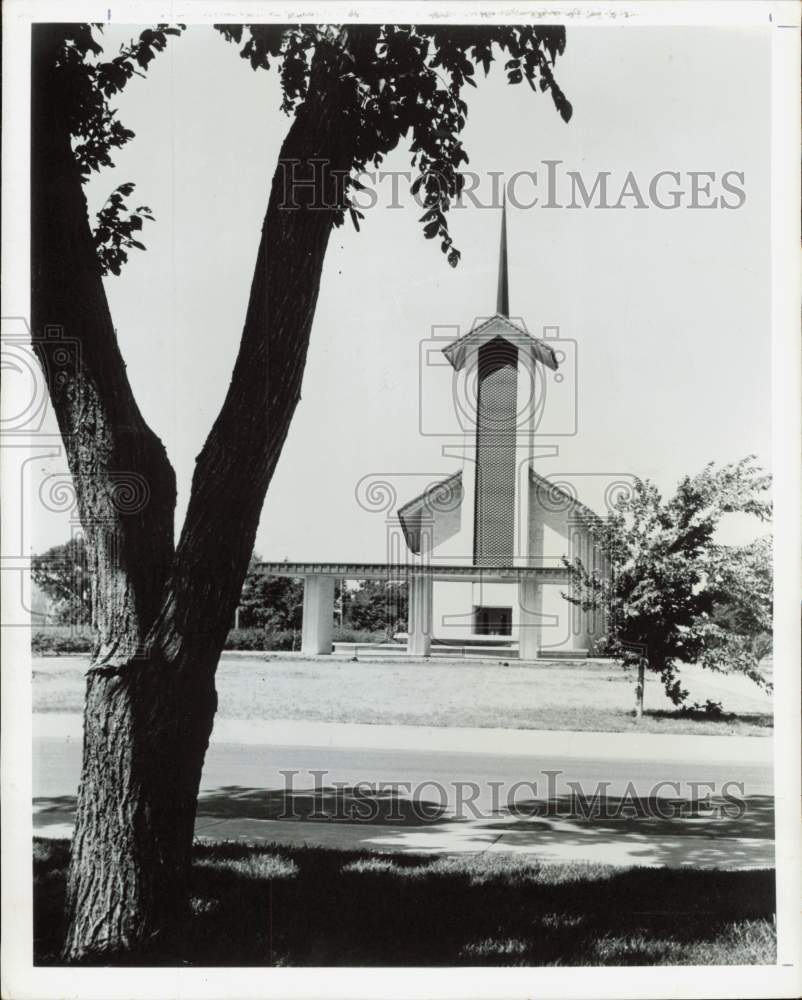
[262,906]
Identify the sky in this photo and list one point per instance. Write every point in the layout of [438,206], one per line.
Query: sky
[664,315]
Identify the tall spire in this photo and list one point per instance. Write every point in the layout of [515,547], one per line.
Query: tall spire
[503,297]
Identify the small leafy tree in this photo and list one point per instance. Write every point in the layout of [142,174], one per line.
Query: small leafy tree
[665,577]
[62,573]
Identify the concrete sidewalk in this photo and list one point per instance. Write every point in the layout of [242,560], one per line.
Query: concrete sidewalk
[246,793]
[435,739]
[683,843]
[555,841]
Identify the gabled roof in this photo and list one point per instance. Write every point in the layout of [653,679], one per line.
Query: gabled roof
[435,497]
[500,324]
[590,517]
[458,350]
[440,497]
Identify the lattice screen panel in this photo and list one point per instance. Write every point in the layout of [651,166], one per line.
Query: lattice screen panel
[494,524]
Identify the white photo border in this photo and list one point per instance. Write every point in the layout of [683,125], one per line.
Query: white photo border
[20,979]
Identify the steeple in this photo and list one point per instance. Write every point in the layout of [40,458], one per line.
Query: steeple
[503,297]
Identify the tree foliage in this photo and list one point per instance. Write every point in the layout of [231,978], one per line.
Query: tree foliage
[743,609]
[395,81]
[116,225]
[406,81]
[666,577]
[274,603]
[89,82]
[377,606]
[62,573]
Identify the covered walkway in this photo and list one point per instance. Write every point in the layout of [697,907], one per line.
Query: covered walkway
[320,578]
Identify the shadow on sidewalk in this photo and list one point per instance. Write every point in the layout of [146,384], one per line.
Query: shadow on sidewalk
[622,829]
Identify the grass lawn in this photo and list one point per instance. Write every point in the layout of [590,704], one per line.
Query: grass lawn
[269,906]
[573,694]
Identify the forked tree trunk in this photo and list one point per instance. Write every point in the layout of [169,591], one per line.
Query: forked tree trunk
[161,613]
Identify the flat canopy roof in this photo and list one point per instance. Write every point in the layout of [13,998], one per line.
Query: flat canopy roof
[383,571]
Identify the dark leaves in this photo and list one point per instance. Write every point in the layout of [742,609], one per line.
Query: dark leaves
[87,82]
[113,235]
[397,81]
[392,81]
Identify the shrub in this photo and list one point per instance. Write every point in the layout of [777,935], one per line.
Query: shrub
[245,638]
[602,647]
[286,639]
[711,709]
[261,640]
[61,640]
[347,634]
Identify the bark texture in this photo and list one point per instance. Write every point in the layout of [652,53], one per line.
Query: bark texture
[162,611]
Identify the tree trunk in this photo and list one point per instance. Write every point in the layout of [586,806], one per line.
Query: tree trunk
[162,615]
[639,689]
[144,745]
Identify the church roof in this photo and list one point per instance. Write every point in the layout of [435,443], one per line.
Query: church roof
[440,497]
[432,494]
[563,500]
[500,326]
[503,293]
[446,495]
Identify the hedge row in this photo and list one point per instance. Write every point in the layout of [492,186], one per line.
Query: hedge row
[63,639]
[259,639]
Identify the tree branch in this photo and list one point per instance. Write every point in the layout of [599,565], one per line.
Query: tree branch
[237,462]
[125,486]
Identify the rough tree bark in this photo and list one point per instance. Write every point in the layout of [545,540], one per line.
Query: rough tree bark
[161,611]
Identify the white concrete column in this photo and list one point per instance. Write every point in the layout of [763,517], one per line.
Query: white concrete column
[419,628]
[529,628]
[318,619]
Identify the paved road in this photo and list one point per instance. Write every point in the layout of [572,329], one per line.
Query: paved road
[408,800]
